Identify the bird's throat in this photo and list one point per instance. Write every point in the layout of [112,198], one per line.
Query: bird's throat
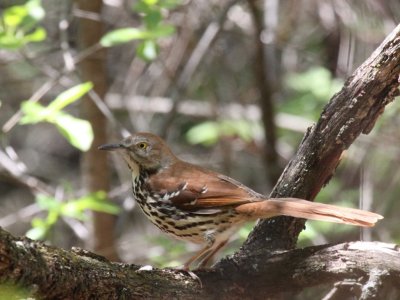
[132,164]
[135,171]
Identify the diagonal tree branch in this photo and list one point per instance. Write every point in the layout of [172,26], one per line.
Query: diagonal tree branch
[351,112]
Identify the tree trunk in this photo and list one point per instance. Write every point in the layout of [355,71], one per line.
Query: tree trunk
[95,170]
[265,68]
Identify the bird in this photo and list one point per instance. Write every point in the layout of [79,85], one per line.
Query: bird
[198,205]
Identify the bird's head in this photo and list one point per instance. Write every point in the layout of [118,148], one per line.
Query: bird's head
[144,150]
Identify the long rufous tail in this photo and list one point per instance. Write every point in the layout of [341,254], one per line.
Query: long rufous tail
[300,208]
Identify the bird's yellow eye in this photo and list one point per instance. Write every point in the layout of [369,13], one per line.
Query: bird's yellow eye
[142,145]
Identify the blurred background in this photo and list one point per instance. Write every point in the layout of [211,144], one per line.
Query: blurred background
[231,85]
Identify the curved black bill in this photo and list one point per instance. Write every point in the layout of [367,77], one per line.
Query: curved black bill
[110,147]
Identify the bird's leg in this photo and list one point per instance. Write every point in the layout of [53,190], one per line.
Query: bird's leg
[209,255]
[196,256]
[210,239]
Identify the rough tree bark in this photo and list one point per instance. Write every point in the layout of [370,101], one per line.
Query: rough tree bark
[266,265]
[54,273]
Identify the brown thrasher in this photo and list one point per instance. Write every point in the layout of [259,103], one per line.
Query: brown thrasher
[204,207]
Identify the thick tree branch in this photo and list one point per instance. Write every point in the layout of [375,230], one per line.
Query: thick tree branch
[53,273]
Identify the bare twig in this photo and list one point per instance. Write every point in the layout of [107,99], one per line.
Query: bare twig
[69,64]
[208,38]
[107,113]
[46,87]
[31,182]
[22,214]
[203,109]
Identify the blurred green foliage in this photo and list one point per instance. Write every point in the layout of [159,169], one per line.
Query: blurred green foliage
[19,25]
[74,208]
[78,132]
[209,132]
[309,92]
[11,291]
[173,252]
[153,28]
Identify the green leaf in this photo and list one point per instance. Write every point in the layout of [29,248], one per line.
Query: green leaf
[147,50]
[52,218]
[14,41]
[69,96]
[150,2]
[47,202]
[37,36]
[141,7]
[163,30]
[78,132]
[241,128]
[309,92]
[33,113]
[95,201]
[39,229]
[37,233]
[125,35]
[19,15]
[152,19]
[14,15]
[317,81]
[104,207]
[100,205]
[205,133]
[208,133]
[17,26]
[169,4]
[38,222]
[9,42]
[122,35]
[145,6]
[72,209]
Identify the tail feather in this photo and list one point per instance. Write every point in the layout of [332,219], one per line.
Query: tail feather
[300,208]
